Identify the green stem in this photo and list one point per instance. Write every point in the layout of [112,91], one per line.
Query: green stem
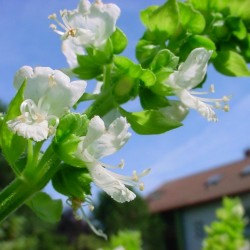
[102,105]
[13,196]
[23,187]
[107,76]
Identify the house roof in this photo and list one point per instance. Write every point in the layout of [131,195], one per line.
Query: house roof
[230,179]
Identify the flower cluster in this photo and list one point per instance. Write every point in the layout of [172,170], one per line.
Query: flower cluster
[90,25]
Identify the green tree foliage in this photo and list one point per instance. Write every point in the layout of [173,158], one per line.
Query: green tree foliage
[135,216]
[227,232]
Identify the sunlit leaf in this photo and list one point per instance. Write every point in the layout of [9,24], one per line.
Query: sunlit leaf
[231,63]
[45,207]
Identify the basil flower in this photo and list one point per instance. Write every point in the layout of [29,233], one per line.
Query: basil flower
[90,25]
[48,95]
[190,74]
[100,142]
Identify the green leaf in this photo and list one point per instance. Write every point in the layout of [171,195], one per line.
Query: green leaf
[149,122]
[148,77]
[200,5]
[72,182]
[88,68]
[237,27]
[119,41]
[145,52]
[163,20]
[197,41]
[231,63]
[150,100]
[126,66]
[164,59]
[45,207]
[67,137]
[191,19]
[159,87]
[9,140]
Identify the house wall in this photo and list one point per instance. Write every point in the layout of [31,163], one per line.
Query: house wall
[195,218]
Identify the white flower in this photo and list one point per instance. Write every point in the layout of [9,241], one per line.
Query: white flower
[47,96]
[100,142]
[90,25]
[189,75]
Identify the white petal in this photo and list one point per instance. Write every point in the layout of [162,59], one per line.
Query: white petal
[192,71]
[112,140]
[70,51]
[84,6]
[50,89]
[112,186]
[95,130]
[193,102]
[176,111]
[35,131]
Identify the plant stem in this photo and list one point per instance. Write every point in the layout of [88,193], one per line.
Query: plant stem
[14,195]
[102,105]
[23,187]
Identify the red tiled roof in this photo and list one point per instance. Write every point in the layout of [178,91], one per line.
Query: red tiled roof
[203,187]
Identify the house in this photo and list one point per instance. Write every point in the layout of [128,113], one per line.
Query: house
[188,204]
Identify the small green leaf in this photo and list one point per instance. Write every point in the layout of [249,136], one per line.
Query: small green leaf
[150,100]
[191,19]
[149,122]
[197,41]
[45,207]
[164,59]
[67,137]
[72,182]
[159,87]
[119,41]
[9,140]
[88,67]
[163,20]
[148,77]
[237,27]
[231,63]
[145,52]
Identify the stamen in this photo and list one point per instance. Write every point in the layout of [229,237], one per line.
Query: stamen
[52,16]
[226,108]
[141,186]
[212,89]
[75,204]
[226,98]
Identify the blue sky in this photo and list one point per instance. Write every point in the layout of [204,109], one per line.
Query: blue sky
[26,39]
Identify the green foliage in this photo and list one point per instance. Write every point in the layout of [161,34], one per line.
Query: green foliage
[119,41]
[45,207]
[148,122]
[72,182]
[228,231]
[67,137]
[191,19]
[127,240]
[9,140]
[230,63]
[116,217]
[162,21]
